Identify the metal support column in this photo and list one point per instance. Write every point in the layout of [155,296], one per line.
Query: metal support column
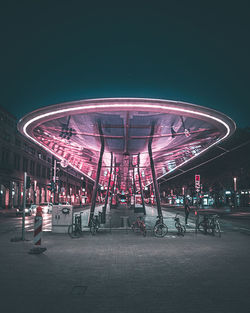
[54,180]
[107,195]
[157,196]
[139,175]
[134,187]
[113,187]
[93,200]
[11,206]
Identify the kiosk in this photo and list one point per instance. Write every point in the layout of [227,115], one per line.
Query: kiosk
[61,218]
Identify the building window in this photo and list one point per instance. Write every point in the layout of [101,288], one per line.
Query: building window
[18,142]
[16,161]
[32,167]
[38,170]
[6,136]
[32,151]
[43,172]
[5,156]
[41,155]
[26,147]
[48,173]
[25,164]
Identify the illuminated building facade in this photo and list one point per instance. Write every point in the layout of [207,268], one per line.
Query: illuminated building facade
[18,154]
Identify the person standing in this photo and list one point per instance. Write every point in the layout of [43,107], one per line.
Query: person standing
[187,210]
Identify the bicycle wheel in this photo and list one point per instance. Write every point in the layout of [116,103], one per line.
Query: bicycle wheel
[72,233]
[160,230]
[133,227]
[202,228]
[144,231]
[216,230]
[184,228]
[70,230]
[92,229]
[182,232]
[210,229]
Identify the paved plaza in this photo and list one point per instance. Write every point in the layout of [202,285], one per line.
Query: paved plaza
[122,271]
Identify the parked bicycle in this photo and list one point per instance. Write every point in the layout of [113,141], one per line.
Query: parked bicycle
[139,224]
[210,224]
[94,225]
[160,228]
[75,230]
[180,227]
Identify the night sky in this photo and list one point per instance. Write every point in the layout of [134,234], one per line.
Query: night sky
[194,51]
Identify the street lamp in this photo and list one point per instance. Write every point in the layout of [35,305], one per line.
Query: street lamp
[183,191]
[235,190]
[235,184]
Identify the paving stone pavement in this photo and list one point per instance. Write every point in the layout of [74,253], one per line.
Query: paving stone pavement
[126,272]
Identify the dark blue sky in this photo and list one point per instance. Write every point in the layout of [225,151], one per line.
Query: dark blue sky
[194,51]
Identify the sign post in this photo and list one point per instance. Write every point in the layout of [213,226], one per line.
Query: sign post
[197,182]
[197,187]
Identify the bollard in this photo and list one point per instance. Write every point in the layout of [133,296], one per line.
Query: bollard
[38,233]
[196,220]
[38,226]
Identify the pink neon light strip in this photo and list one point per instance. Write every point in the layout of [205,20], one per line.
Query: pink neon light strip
[127,106]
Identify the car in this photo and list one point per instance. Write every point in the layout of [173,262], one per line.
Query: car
[46,206]
[61,203]
[123,199]
[33,208]
[19,211]
[64,203]
[147,200]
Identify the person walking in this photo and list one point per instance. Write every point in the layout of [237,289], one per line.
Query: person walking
[187,210]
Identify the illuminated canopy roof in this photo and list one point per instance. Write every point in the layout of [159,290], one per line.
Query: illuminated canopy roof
[72,131]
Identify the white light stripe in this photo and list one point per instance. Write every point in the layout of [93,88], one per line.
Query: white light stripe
[127,105]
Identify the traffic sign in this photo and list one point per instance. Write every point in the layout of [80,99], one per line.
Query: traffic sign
[197,183]
[51,186]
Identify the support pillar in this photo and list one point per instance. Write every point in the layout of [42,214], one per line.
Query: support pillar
[113,187]
[93,200]
[139,175]
[157,196]
[35,193]
[11,184]
[107,194]
[134,187]
[54,180]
